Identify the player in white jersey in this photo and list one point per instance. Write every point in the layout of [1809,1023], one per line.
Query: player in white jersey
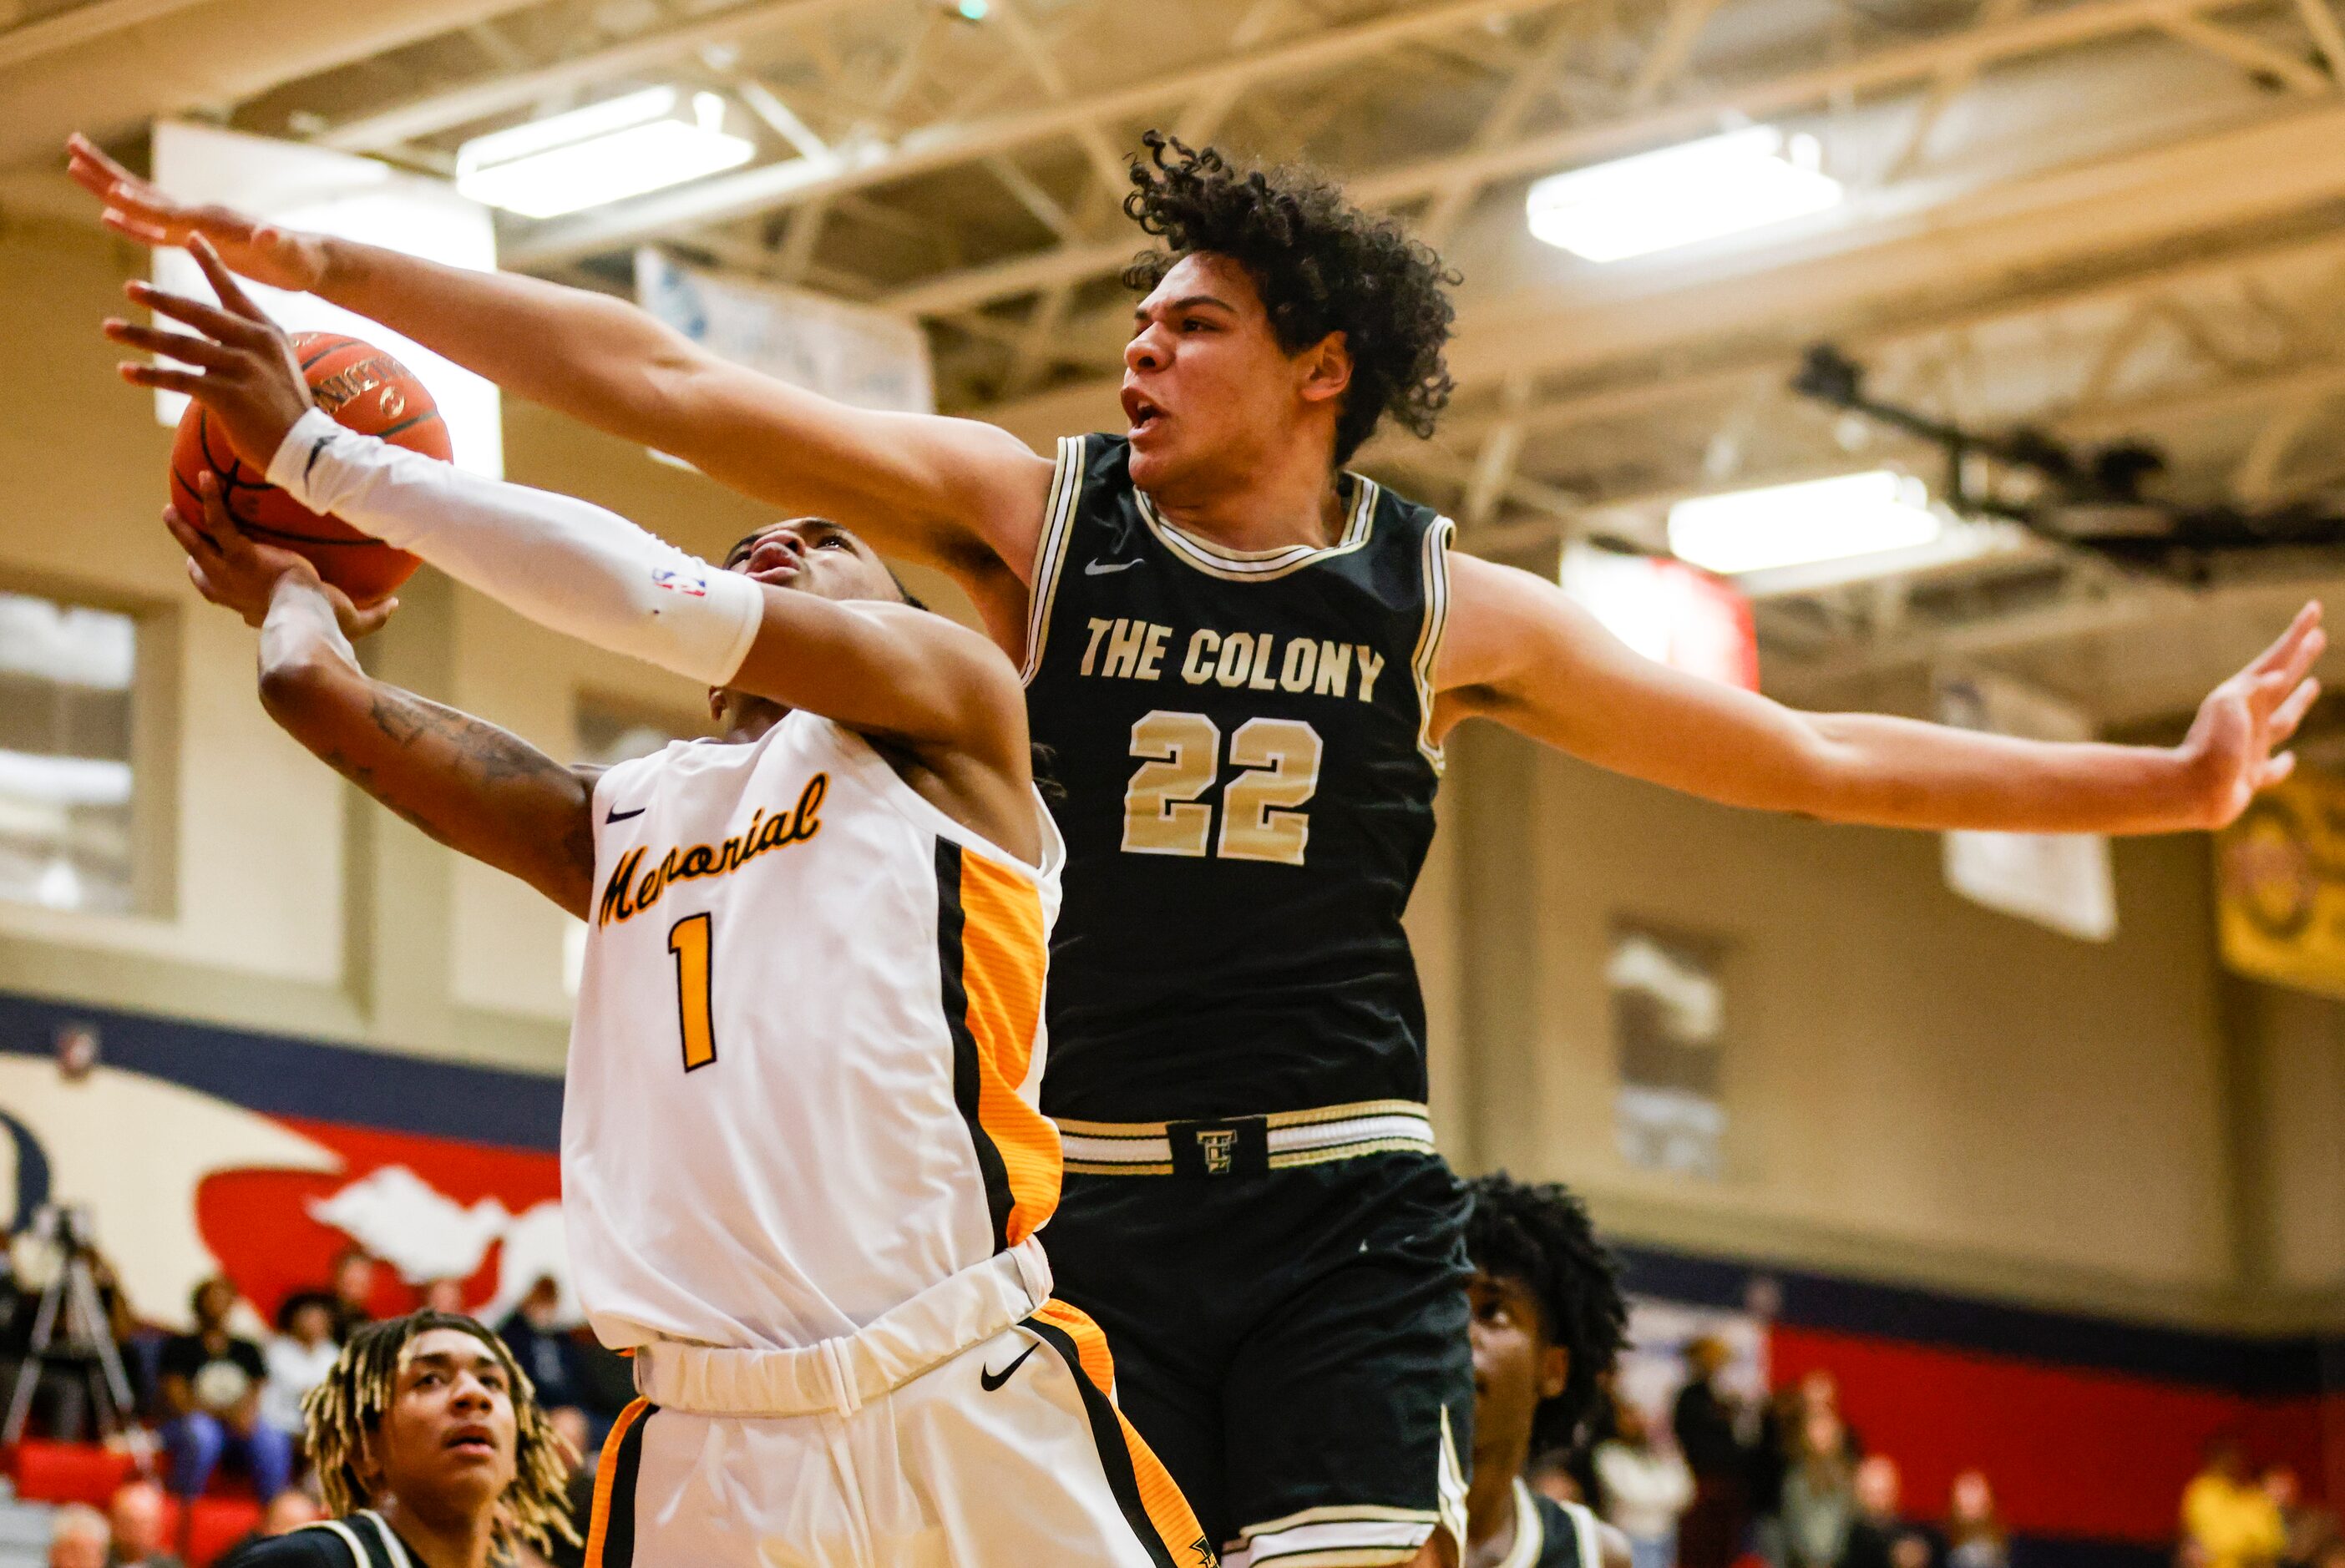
[802,1163]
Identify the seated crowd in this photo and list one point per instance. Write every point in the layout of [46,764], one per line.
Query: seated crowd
[1787,1483]
[218,1411]
[1790,1484]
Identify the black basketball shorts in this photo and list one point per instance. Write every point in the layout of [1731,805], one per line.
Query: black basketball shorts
[1292,1342]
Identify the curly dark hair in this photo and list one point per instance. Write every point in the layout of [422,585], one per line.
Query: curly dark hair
[1539,1237]
[1321,266]
[344,1409]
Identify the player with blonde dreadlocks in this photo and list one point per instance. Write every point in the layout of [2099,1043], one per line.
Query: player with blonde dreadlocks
[431,1451]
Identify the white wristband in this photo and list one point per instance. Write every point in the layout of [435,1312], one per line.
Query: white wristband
[564,562]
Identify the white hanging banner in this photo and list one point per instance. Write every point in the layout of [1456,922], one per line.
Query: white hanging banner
[353,199]
[852,353]
[2060,880]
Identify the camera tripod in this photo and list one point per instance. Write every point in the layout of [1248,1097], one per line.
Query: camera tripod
[71,1333]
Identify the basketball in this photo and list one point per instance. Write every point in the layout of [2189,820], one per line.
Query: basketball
[368,391]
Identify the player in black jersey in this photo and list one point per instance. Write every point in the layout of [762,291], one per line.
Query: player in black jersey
[1245,660]
[431,1451]
[1547,1324]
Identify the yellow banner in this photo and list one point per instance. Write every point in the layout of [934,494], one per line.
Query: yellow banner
[2279,885]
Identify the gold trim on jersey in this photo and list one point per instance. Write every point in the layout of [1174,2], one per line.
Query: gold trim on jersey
[1262,565]
[1329,1544]
[1428,641]
[1050,551]
[1295,1138]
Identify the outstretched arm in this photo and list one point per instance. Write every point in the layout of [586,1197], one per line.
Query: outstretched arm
[473,786]
[957,494]
[1519,651]
[569,565]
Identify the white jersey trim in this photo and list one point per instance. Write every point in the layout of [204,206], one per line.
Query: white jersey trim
[1428,641]
[1050,552]
[1262,565]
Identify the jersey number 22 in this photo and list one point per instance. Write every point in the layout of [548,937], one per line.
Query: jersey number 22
[1162,812]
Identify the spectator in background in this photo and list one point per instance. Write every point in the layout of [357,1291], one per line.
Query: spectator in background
[136,1516]
[570,1425]
[531,1330]
[287,1511]
[445,1294]
[298,1357]
[1819,1499]
[1975,1533]
[211,1396]
[1878,1535]
[606,1383]
[352,1284]
[1710,1534]
[77,1537]
[2307,1529]
[1550,1475]
[1644,1487]
[2228,1520]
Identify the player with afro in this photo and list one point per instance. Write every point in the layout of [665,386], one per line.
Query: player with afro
[1549,1322]
[430,1450]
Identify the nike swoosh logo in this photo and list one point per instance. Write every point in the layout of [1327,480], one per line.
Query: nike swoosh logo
[993,1380]
[624,815]
[1102,568]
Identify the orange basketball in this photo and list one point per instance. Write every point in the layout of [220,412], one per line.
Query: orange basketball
[366,390]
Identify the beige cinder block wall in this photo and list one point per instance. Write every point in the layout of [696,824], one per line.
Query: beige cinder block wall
[1917,1088]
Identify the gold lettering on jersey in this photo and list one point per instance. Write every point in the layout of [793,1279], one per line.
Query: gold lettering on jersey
[634,887]
[1256,661]
[1152,656]
[1263,679]
[1091,650]
[1295,671]
[1335,669]
[1135,650]
[1123,649]
[1198,667]
[1237,659]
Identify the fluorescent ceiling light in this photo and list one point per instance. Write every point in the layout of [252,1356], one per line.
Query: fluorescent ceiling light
[1794,524]
[1700,190]
[603,153]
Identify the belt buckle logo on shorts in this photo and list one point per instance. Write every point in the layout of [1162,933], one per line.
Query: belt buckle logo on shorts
[1219,1145]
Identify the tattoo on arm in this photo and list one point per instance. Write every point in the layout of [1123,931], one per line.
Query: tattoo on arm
[448,772]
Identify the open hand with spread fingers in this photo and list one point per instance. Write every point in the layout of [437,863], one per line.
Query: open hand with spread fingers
[2234,744]
[138,210]
[245,374]
[238,572]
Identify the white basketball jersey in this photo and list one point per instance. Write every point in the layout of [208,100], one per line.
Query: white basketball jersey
[803,1076]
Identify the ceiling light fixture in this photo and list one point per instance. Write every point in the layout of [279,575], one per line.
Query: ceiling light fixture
[1722,185]
[1797,524]
[604,153]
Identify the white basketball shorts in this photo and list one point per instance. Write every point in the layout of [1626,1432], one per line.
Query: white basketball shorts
[1010,1450]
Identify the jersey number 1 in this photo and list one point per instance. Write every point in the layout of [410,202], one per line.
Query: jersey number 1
[1162,812]
[690,941]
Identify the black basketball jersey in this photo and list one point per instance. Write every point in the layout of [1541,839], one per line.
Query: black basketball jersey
[1552,1534]
[359,1540]
[1243,742]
